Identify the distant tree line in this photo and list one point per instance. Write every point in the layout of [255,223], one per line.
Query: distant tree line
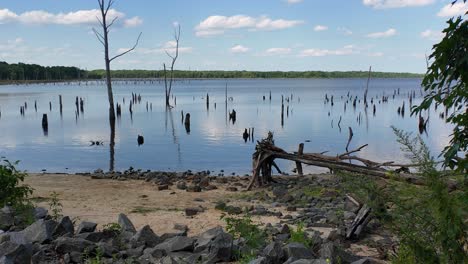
[251,74]
[34,72]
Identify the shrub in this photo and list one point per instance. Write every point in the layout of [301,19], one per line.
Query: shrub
[12,191]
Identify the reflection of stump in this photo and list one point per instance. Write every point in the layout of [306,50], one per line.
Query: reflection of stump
[187,123]
[45,124]
[232,116]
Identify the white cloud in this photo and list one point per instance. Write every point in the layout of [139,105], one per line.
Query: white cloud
[277,51]
[346,50]
[385,34]
[450,10]
[80,17]
[383,4]
[320,28]
[239,49]
[345,31]
[375,54]
[133,22]
[432,35]
[291,2]
[216,25]
[169,46]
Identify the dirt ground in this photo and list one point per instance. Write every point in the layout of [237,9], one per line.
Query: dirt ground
[101,201]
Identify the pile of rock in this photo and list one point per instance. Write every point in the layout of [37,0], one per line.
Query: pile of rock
[58,241]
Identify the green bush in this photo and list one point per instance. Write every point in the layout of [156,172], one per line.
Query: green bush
[12,191]
[55,206]
[300,236]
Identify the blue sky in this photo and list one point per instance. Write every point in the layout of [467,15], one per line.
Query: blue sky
[288,35]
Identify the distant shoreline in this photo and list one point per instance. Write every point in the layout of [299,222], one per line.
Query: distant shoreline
[23,82]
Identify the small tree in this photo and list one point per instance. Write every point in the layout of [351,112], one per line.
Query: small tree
[104,39]
[12,191]
[168,84]
[446,82]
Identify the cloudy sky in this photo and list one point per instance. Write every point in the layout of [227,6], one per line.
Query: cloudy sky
[390,35]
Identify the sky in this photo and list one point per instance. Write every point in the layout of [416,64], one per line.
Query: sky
[262,35]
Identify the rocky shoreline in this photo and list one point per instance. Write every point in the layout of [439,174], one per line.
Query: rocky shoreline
[315,202]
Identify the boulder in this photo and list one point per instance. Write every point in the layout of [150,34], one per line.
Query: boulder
[274,253]
[40,213]
[194,188]
[175,244]
[40,231]
[181,185]
[86,227]
[6,220]
[126,224]
[15,254]
[191,211]
[204,240]
[64,226]
[335,254]
[220,250]
[296,251]
[260,260]
[280,191]
[69,244]
[145,237]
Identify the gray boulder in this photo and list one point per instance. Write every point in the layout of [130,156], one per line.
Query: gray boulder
[6,220]
[260,260]
[204,240]
[64,226]
[86,227]
[296,251]
[126,224]
[40,213]
[145,237]
[335,254]
[220,250]
[175,244]
[14,253]
[68,245]
[40,231]
[274,253]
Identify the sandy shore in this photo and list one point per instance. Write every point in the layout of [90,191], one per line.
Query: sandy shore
[101,201]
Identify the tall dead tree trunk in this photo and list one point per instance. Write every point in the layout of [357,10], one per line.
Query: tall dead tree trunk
[168,84]
[104,7]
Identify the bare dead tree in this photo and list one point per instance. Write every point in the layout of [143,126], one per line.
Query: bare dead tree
[104,7]
[168,85]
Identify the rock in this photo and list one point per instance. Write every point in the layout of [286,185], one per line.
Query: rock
[191,211]
[297,251]
[107,249]
[14,253]
[40,213]
[260,260]
[126,224]
[194,188]
[175,244]
[285,229]
[44,254]
[181,227]
[145,237]
[181,185]
[220,250]
[332,218]
[204,240]
[40,231]
[310,261]
[349,215]
[291,208]
[351,204]
[335,254]
[280,191]
[6,220]
[205,182]
[68,244]
[362,261]
[274,253]
[231,189]
[86,227]
[95,236]
[64,226]
[166,236]
[162,187]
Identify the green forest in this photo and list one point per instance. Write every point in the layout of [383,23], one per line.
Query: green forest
[18,72]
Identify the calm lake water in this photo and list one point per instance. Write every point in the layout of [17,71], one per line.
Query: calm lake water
[213,143]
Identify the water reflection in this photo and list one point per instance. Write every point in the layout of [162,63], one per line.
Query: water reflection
[215,141]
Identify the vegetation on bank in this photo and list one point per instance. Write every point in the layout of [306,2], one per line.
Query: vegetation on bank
[21,72]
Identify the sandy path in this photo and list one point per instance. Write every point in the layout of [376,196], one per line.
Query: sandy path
[101,201]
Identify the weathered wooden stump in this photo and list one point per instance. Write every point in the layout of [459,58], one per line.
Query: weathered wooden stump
[187,123]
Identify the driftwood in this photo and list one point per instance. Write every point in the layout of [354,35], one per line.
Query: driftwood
[266,152]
